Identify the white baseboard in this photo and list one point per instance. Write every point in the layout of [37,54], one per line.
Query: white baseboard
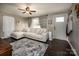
[72,48]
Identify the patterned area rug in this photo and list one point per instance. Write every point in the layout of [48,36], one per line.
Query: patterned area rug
[27,47]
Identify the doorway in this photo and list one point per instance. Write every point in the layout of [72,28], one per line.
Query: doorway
[60,26]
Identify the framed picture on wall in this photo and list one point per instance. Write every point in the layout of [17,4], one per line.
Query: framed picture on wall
[49,22]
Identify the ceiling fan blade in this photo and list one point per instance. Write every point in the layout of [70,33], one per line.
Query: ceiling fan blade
[30,13]
[33,11]
[23,12]
[21,9]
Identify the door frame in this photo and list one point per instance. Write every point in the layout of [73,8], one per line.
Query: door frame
[59,15]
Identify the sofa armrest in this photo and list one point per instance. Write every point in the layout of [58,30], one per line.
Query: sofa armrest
[45,36]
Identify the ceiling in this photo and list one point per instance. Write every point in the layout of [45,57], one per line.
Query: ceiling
[41,8]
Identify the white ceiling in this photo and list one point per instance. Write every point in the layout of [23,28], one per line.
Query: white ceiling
[41,8]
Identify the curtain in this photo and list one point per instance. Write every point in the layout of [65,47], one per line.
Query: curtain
[43,21]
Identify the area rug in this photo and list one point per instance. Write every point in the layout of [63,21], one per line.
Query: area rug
[27,47]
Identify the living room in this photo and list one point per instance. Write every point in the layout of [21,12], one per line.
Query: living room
[31,28]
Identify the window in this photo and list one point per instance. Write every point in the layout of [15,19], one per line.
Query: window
[35,23]
[8,25]
[59,19]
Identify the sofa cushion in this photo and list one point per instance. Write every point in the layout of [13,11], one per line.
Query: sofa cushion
[25,30]
[38,30]
[42,31]
[33,30]
[29,34]
[17,35]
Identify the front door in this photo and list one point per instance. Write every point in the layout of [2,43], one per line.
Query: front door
[60,26]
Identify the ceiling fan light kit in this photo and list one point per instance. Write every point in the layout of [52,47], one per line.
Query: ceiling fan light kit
[27,10]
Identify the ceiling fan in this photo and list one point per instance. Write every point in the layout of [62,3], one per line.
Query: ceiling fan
[27,10]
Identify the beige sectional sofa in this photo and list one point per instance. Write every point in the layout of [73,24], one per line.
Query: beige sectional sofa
[40,34]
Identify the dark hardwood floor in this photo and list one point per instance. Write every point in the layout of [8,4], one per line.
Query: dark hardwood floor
[59,48]
[56,48]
